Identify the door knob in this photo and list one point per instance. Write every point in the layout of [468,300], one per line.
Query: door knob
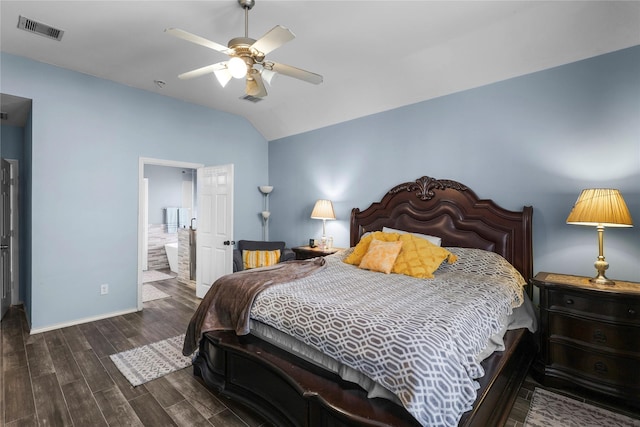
[4,246]
[227,242]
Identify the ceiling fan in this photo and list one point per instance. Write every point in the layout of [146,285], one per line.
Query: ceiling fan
[247,57]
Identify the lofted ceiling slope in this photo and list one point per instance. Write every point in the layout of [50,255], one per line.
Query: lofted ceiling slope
[374,55]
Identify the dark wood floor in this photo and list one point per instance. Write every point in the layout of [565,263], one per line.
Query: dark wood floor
[66,378]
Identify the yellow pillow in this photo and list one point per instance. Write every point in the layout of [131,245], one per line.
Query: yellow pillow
[362,247]
[420,258]
[381,256]
[254,259]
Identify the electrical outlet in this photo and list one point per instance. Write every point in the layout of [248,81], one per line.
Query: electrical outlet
[104,289]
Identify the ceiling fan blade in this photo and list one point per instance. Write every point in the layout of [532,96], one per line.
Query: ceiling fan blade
[202,71]
[198,40]
[275,38]
[296,73]
[255,86]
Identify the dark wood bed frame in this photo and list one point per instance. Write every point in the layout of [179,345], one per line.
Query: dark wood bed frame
[288,391]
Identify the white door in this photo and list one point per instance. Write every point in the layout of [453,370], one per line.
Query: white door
[214,245]
[145,222]
[5,236]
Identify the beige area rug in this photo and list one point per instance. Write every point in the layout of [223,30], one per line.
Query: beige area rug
[154,276]
[146,363]
[549,409]
[150,293]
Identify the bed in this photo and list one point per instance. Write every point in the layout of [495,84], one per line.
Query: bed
[288,386]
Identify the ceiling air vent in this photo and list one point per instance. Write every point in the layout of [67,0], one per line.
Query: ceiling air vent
[4,116]
[250,98]
[39,28]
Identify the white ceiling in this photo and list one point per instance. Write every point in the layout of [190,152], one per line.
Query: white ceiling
[374,55]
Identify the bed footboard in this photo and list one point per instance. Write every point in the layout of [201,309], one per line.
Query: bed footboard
[288,391]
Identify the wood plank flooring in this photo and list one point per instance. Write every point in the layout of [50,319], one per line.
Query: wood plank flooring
[66,378]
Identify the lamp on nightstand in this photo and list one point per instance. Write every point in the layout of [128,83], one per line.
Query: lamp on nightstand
[600,207]
[323,210]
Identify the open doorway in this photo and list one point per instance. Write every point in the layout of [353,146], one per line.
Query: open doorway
[171,209]
[167,205]
[15,213]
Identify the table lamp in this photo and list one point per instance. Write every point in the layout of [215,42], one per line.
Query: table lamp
[323,210]
[600,207]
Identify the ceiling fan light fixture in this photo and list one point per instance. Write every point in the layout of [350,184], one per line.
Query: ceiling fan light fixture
[223,75]
[251,88]
[237,67]
[247,57]
[269,76]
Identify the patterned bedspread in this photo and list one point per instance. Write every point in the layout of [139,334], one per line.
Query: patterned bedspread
[416,337]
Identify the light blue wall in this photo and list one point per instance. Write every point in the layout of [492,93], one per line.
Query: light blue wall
[87,135]
[537,139]
[534,140]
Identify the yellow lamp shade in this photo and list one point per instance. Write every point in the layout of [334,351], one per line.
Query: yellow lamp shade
[600,207]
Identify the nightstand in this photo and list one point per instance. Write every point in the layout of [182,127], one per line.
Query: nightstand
[589,335]
[306,252]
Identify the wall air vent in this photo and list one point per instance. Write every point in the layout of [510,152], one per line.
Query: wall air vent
[39,28]
[4,116]
[250,98]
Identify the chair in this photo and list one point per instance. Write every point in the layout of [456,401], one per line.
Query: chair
[286,254]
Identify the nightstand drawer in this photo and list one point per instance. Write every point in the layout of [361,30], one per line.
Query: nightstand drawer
[589,335]
[595,367]
[611,309]
[618,337]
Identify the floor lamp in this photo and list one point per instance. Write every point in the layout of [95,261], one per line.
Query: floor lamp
[265,190]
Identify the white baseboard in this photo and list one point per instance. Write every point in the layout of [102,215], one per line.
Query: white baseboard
[81,321]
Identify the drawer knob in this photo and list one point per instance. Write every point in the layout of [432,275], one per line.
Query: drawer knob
[569,301]
[599,336]
[600,367]
[632,312]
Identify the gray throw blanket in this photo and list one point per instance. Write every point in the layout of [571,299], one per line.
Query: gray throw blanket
[227,304]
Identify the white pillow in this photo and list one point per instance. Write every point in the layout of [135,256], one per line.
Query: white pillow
[433,239]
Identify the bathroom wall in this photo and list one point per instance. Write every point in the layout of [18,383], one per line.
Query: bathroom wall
[184,257]
[166,189]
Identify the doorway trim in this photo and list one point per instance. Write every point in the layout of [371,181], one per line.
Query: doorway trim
[16,213]
[142,161]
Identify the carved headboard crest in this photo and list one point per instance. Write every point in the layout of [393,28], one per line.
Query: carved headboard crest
[453,212]
[424,187]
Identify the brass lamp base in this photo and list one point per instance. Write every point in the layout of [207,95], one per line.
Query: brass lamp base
[601,265]
[602,280]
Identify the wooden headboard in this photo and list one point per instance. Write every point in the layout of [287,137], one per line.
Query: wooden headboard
[453,212]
